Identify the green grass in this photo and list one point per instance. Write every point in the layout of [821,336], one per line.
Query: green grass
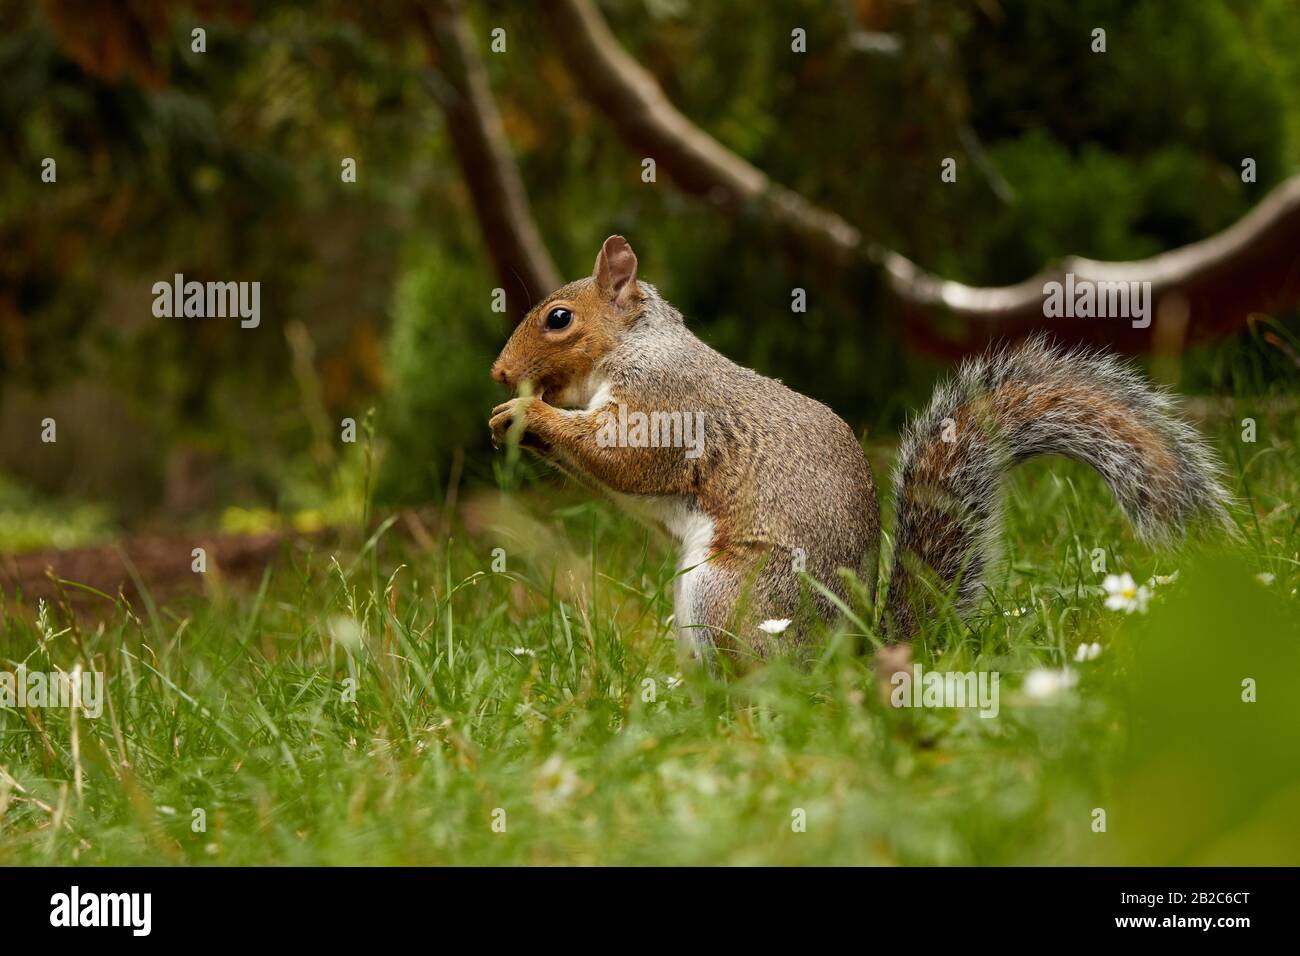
[29,524]
[237,705]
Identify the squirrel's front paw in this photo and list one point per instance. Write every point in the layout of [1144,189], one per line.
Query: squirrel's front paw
[511,418]
[503,419]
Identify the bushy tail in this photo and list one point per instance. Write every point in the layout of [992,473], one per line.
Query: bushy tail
[1010,405]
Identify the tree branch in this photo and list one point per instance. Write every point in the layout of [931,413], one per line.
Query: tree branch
[478,139]
[1213,285]
[633,101]
[1204,289]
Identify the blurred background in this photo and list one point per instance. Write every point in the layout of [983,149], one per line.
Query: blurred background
[489,160]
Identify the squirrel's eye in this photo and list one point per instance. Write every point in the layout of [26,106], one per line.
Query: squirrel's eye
[558,319]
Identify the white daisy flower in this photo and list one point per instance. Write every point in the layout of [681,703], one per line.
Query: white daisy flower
[774,626]
[1161,579]
[673,681]
[1265,577]
[523,652]
[1087,652]
[1124,593]
[1042,683]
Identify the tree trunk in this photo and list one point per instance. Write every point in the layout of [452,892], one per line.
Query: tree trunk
[478,139]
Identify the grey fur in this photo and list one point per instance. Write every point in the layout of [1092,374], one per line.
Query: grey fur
[789,472]
[967,499]
[781,475]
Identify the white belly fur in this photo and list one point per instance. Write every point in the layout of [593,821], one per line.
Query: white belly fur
[693,530]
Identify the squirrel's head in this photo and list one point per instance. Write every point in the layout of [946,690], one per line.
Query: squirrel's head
[559,341]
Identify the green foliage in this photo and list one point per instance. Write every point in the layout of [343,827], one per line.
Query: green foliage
[525,690]
[1111,155]
[29,523]
[1093,203]
[443,341]
[229,168]
[1192,731]
[1167,76]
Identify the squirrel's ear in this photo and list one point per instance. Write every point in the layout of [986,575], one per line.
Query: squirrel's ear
[615,271]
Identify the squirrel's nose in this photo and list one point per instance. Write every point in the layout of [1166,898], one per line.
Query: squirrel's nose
[500,374]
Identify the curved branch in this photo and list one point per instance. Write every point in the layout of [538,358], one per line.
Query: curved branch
[1252,266]
[631,98]
[1208,287]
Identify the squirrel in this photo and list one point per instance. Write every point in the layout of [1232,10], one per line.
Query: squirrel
[779,486]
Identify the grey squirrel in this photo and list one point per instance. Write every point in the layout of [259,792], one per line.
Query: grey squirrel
[780,486]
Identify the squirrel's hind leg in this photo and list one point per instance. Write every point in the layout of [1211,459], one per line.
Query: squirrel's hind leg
[718,606]
[700,607]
